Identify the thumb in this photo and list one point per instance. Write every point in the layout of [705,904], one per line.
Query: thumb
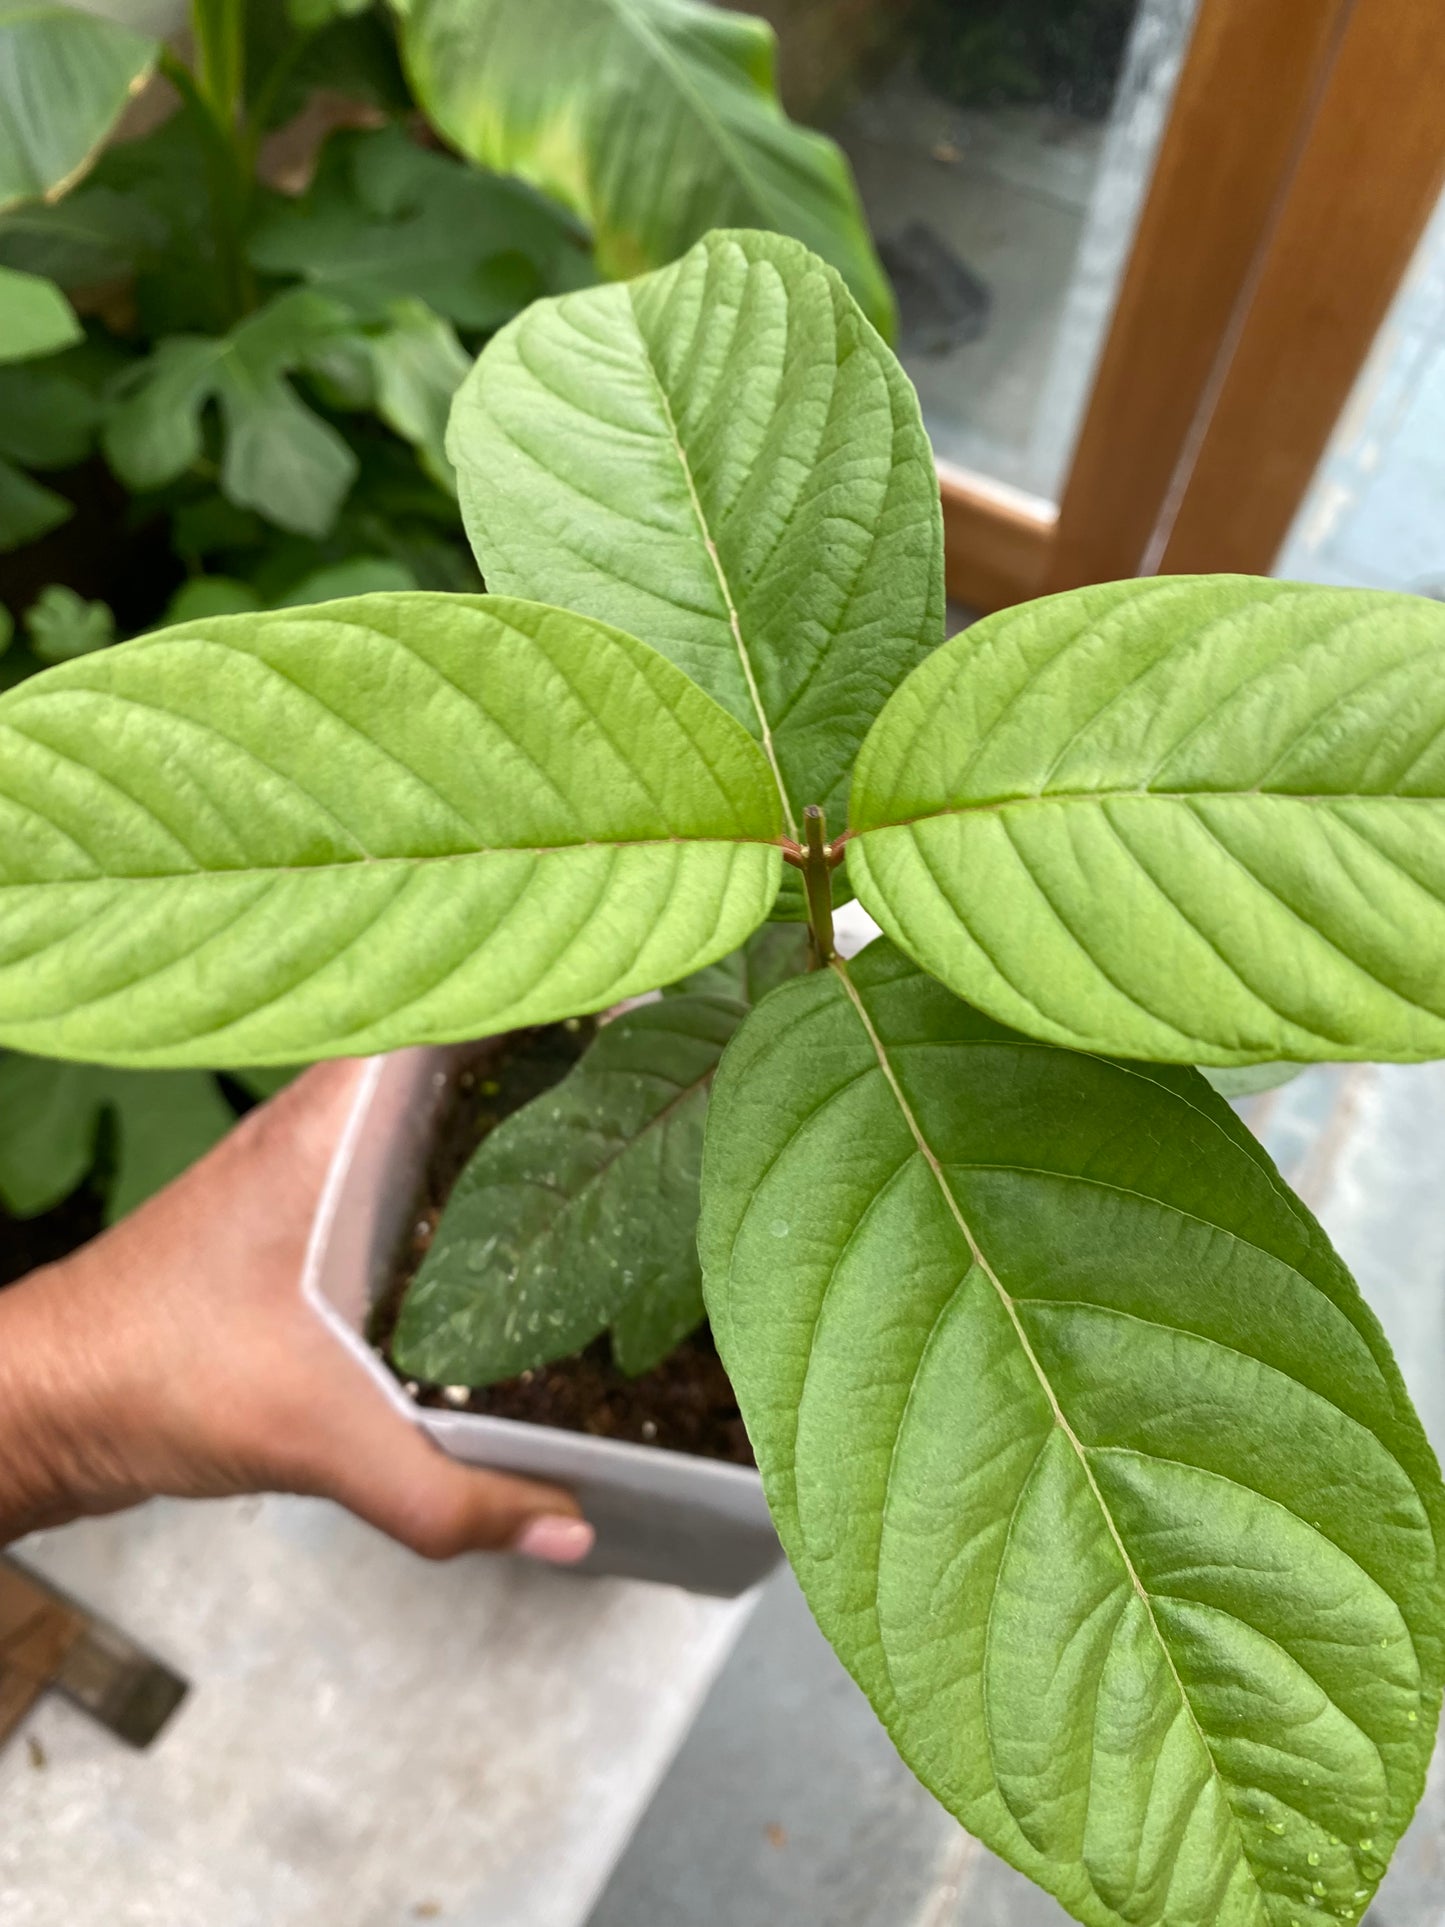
[387,1471]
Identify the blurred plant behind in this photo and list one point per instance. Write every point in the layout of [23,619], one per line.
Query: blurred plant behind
[240,282]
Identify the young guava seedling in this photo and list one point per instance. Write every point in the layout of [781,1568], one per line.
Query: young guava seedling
[1094,1465]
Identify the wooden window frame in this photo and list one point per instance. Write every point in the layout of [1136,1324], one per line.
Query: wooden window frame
[1303,133]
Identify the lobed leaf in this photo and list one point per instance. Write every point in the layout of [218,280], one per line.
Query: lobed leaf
[1092,1463]
[1194,818]
[652,120]
[65,78]
[279,457]
[724,459]
[404,818]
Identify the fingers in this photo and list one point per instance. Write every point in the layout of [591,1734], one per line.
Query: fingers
[390,1474]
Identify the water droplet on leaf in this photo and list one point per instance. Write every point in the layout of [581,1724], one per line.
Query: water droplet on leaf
[780,1227]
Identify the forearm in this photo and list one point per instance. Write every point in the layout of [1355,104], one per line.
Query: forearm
[55,1460]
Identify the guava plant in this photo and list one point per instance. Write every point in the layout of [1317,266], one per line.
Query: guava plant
[1093,1464]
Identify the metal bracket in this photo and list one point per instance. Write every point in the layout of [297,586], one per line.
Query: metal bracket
[48,1640]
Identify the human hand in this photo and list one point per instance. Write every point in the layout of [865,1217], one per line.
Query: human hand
[175,1354]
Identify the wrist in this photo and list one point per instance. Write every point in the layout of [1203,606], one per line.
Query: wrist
[56,1441]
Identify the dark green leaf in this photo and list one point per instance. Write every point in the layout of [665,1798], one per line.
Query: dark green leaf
[50,1121]
[279,457]
[386,220]
[653,120]
[1199,819]
[403,818]
[96,234]
[27,509]
[578,1211]
[1093,1464]
[47,418]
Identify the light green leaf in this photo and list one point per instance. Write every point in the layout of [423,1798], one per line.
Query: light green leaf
[27,508]
[65,77]
[399,819]
[35,317]
[1093,1464]
[279,457]
[62,624]
[386,220]
[724,459]
[653,120]
[579,1212]
[50,1121]
[1195,818]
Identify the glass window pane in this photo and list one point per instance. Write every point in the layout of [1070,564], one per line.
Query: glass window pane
[1375,514]
[1002,148]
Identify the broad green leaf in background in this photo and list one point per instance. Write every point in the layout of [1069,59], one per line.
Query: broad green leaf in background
[279,457]
[51,1116]
[35,317]
[1092,1462]
[724,459]
[1193,818]
[62,625]
[209,595]
[653,120]
[65,77]
[579,1212]
[264,838]
[386,220]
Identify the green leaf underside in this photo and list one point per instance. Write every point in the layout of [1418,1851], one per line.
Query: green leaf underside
[404,818]
[579,1212]
[724,459]
[50,1118]
[1093,1465]
[65,77]
[653,120]
[1195,818]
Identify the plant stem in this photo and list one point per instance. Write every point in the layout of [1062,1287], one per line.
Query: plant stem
[817,870]
[218,27]
[228,181]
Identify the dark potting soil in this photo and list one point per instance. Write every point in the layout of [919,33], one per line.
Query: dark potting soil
[685,1404]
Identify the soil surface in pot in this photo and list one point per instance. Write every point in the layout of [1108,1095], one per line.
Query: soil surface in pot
[684,1405]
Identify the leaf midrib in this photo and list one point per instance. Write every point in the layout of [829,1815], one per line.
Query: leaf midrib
[368,862]
[699,104]
[724,588]
[1061,1421]
[1031,800]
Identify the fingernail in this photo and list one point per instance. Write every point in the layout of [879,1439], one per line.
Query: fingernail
[557,1539]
